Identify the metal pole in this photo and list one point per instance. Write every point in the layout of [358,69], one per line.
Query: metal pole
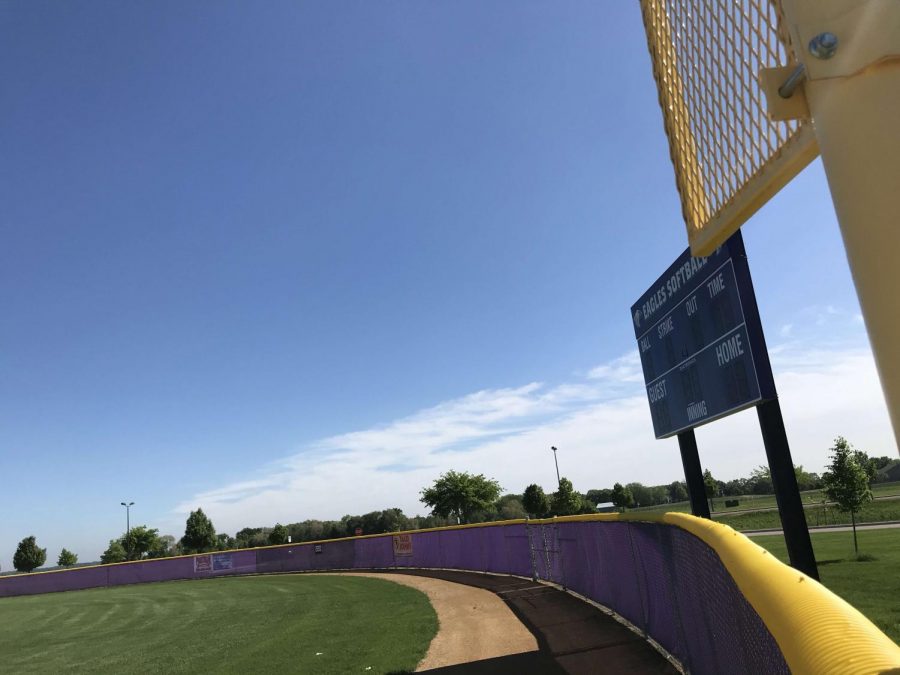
[693,473]
[787,495]
[127,516]
[558,481]
[849,48]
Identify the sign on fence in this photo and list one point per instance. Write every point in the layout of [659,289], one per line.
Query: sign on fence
[403,545]
[202,563]
[222,561]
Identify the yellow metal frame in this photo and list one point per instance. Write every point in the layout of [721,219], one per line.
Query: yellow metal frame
[854,101]
[730,156]
[735,142]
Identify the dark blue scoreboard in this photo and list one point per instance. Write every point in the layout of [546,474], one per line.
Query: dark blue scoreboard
[701,342]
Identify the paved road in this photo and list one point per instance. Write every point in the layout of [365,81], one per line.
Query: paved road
[830,528]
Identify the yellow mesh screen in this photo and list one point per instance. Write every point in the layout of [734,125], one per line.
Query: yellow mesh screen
[729,156]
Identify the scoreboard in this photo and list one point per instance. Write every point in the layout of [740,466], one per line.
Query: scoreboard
[701,342]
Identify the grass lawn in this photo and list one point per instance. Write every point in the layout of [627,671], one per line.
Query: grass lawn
[872,587]
[873,512]
[810,499]
[284,623]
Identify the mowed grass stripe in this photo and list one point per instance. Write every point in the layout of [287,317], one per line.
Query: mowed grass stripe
[228,625]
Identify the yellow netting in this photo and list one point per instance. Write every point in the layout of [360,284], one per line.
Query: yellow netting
[729,156]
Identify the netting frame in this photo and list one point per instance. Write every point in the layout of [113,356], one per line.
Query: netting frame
[723,178]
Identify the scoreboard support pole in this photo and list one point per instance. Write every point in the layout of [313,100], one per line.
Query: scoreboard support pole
[693,473]
[787,493]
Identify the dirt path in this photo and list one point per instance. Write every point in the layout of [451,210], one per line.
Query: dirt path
[473,623]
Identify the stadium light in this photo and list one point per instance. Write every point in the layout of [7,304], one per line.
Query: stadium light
[558,481]
[127,516]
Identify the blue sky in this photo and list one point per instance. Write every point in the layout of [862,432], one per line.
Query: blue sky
[294,260]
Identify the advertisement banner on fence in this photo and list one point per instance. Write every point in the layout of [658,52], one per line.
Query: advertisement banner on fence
[403,545]
[202,563]
[222,561]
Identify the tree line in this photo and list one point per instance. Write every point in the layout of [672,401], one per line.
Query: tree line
[138,543]
[460,497]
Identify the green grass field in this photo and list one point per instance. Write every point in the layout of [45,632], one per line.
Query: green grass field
[811,498]
[873,512]
[740,518]
[284,623]
[872,587]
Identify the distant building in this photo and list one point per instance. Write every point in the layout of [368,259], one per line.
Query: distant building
[889,472]
[606,507]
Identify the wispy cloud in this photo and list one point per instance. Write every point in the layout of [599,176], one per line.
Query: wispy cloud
[626,368]
[599,421]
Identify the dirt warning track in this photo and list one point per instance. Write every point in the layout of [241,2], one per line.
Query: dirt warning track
[473,623]
[499,624]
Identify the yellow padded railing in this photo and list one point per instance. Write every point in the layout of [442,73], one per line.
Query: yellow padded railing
[818,632]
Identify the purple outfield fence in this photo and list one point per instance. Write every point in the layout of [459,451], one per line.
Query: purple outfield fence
[664,580]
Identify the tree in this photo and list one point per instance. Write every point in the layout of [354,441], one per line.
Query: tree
[641,494]
[659,494]
[535,501]
[114,553]
[251,537]
[881,462]
[224,542]
[459,495]
[139,541]
[710,486]
[806,480]
[392,520]
[370,522]
[869,464]
[510,507]
[28,556]
[565,501]
[736,488]
[599,496]
[199,533]
[760,482]
[847,480]
[622,497]
[678,491]
[164,547]
[66,558]
[587,506]
[278,535]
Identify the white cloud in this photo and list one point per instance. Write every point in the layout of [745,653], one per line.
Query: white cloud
[626,368]
[600,423]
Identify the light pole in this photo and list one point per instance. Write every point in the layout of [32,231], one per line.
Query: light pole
[558,481]
[127,516]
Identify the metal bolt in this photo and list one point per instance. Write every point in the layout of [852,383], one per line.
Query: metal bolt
[790,85]
[823,45]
